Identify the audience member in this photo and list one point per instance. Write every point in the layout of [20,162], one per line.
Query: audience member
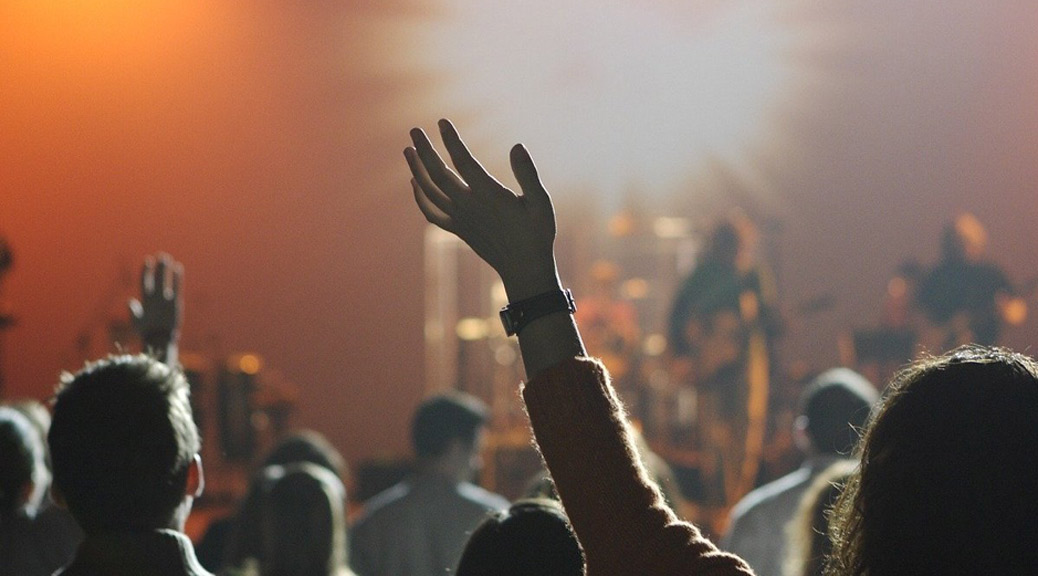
[419,527]
[949,472]
[808,546]
[833,408]
[124,447]
[125,454]
[230,541]
[617,512]
[25,549]
[23,472]
[302,522]
[45,532]
[531,538]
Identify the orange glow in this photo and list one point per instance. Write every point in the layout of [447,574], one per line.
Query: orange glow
[250,364]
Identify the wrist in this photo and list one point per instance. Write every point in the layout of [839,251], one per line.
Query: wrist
[518,315]
[531,281]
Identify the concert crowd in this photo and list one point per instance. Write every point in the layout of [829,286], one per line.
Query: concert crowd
[930,468]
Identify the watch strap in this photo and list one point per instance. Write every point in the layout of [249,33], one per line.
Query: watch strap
[518,315]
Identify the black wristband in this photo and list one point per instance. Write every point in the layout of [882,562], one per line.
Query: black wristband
[517,316]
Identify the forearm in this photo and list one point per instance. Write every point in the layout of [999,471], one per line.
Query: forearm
[616,510]
[550,339]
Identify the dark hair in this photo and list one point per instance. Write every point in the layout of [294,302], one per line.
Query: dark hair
[21,459]
[307,446]
[303,522]
[532,538]
[444,418]
[299,448]
[949,472]
[122,441]
[836,405]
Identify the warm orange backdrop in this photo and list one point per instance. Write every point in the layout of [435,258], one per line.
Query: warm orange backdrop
[253,143]
[260,143]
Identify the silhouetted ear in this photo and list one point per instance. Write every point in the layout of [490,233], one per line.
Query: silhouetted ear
[195,478]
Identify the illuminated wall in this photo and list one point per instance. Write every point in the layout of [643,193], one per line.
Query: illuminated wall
[261,145]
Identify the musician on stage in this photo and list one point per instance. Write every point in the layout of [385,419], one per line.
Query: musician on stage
[966,299]
[721,326]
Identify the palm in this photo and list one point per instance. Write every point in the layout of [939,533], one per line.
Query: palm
[513,233]
[157,315]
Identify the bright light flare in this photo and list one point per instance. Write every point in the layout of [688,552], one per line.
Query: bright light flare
[613,95]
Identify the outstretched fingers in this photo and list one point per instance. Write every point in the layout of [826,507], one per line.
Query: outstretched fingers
[526,174]
[433,166]
[421,178]
[176,281]
[148,276]
[432,212]
[469,168]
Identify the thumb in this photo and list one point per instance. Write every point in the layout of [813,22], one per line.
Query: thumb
[526,174]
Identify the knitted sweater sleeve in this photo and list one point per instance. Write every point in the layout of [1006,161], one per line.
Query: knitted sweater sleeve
[617,512]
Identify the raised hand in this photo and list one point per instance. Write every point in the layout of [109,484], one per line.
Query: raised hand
[158,314]
[513,233]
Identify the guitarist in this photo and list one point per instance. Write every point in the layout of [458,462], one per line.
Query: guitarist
[721,325]
[966,299]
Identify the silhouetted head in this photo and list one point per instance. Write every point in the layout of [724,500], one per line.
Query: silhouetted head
[964,239]
[302,521]
[23,473]
[304,447]
[725,243]
[446,431]
[733,240]
[532,538]
[307,446]
[949,472]
[834,408]
[124,445]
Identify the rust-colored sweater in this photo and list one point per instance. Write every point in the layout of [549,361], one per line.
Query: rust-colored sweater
[619,516]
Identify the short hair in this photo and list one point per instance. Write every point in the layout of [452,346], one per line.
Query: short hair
[21,459]
[836,405]
[531,538]
[444,418]
[949,472]
[122,441]
[307,446]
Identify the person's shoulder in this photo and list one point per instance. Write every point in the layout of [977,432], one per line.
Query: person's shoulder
[383,502]
[767,495]
[482,497]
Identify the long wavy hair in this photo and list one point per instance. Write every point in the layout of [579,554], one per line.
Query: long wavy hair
[948,479]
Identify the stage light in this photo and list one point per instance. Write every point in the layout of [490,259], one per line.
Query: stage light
[470,329]
[615,93]
[249,364]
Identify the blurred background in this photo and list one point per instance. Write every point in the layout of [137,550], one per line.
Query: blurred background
[260,144]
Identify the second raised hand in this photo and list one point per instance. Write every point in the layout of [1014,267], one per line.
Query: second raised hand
[513,233]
